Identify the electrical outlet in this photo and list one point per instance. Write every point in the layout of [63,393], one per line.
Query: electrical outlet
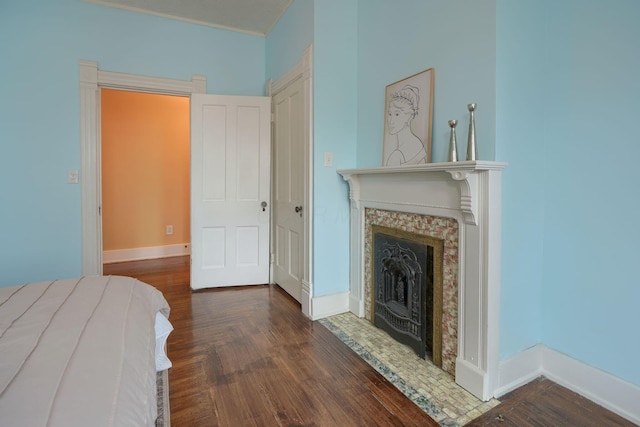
[169,230]
[328,158]
[72,176]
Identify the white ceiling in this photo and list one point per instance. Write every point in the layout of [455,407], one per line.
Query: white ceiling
[247,16]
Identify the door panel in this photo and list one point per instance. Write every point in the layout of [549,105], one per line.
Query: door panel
[288,192]
[213,155]
[230,178]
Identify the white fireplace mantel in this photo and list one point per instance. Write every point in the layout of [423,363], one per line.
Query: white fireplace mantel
[469,192]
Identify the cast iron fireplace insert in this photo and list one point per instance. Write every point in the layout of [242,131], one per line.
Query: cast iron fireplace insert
[407,278]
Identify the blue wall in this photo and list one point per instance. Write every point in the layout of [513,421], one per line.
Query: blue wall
[41,45]
[522,93]
[567,83]
[397,39]
[590,285]
[289,38]
[335,130]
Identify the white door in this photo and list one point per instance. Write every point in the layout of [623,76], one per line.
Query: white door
[230,190]
[289,191]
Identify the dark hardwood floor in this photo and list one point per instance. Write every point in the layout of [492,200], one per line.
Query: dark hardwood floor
[545,403]
[248,357]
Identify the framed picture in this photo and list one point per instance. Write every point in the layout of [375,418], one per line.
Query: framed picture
[408,117]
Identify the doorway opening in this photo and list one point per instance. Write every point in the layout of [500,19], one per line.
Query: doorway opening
[92,80]
[145,170]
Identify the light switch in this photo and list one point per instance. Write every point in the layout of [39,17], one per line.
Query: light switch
[72,176]
[328,158]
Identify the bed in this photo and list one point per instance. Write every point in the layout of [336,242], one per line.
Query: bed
[81,352]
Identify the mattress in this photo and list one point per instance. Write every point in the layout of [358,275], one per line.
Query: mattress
[79,352]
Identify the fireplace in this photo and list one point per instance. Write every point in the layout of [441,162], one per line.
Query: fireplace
[459,203]
[439,232]
[407,289]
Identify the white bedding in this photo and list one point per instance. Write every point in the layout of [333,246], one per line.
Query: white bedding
[79,352]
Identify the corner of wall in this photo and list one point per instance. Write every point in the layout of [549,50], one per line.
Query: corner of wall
[613,393]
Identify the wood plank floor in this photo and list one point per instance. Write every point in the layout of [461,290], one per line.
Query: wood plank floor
[248,357]
[545,403]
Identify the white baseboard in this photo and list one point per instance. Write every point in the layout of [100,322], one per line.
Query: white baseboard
[152,252]
[519,370]
[356,306]
[613,393]
[328,305]
[305,298]
[472,379]
[606,390]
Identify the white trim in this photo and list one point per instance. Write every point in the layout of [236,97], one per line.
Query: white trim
[305,298]
[329,305]
[150,252]
[304,70]
[91,80]
[609,391]
[161,85]
[294,73]
[519,370]
[606,390]
[90,162]
[307,75]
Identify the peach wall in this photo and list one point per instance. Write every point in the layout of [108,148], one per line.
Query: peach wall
[145,169]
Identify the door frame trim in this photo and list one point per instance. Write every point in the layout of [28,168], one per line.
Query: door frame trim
[92,80]
[303,70]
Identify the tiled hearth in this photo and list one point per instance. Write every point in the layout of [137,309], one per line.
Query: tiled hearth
[428,386]
[458,202]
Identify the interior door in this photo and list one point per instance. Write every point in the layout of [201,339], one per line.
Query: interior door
[230,190]
[288,192]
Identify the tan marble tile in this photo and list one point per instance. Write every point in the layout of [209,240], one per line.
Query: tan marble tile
[430,387]
[442,228]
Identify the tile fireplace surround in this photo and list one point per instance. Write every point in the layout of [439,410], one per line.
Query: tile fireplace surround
[444,229]
[470,193]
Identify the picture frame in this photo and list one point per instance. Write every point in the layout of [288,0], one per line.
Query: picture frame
[408,120]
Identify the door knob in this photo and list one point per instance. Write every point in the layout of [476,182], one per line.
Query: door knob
[298,209]
[264,206]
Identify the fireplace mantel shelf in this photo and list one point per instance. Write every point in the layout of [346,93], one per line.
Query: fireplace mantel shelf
[454,168]
[466,173]
[470,193]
